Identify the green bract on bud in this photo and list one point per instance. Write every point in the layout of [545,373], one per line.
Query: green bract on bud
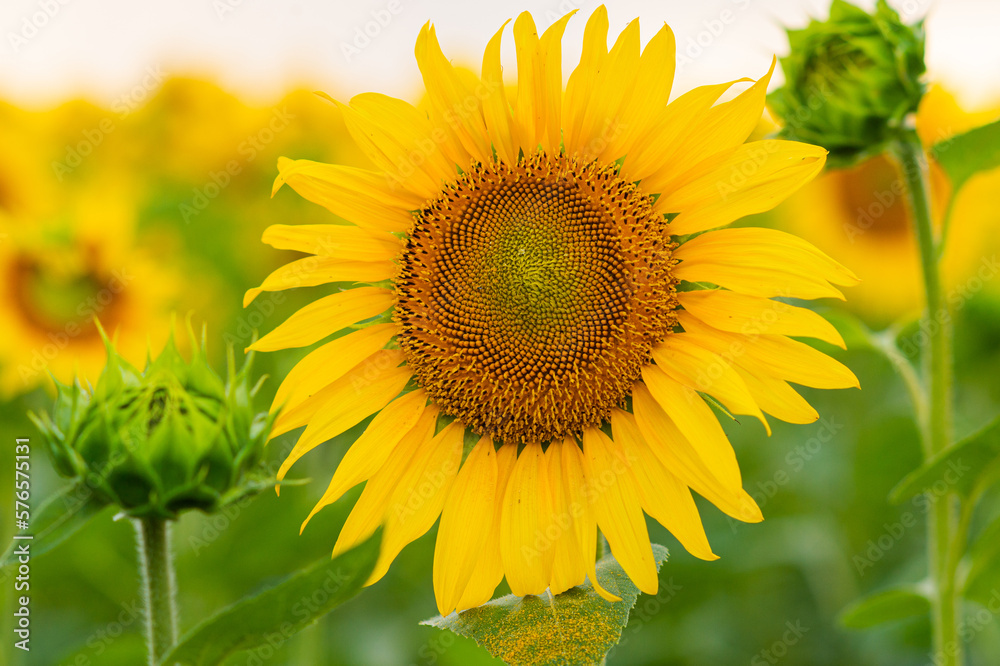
[157,442]
[850,81]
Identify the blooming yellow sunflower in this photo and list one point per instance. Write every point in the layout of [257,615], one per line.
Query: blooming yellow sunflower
[861,215]
[543,305]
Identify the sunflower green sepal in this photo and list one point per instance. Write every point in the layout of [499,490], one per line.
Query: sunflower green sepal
[172,437]
[851,81]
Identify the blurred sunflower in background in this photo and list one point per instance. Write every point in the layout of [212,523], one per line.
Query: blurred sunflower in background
[106,212]
[68,254]
[547,299]
[860,216]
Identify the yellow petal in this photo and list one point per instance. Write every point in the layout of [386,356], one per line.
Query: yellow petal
[582,82]
[456,106]
[602,121]
[529,119]
[334,240]
[617,507]
[370,509]
[718,131]
[648,98]
[697,423]
[363,385]
[773,395]
[527,557]
[777,398]
[372,449]
[347,406]
[780,357]
[568,565]
[311,271]
[699,369]
[655,151]
[357,195]
[329,362]
[761,262]
[496,109]
[538,107]
[549,83]
[663,496]
[579,493]
[466,522]
[489,569]
[753,315]
[326,316]
[679,456]
[420,494]
[400,140]
[754,178]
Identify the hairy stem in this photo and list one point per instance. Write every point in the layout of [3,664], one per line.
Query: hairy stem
[158,586]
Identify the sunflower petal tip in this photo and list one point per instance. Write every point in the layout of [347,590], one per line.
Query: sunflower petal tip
[765,80]
[282,471]
[315,510]
[251,294]
[749,510]
[325,96]
[445,609]
[279,181]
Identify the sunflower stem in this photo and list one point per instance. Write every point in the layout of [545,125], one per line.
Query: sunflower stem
[158,586]
[942,528]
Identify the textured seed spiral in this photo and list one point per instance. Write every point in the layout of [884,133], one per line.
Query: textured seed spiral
[530,296]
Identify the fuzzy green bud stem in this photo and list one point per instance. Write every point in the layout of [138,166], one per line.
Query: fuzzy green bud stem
[159,587]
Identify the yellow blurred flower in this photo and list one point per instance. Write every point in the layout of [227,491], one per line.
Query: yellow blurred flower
[106,211]
[860,215]
[195,128]
[67,255]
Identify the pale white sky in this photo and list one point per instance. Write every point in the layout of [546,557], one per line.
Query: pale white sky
[51,50]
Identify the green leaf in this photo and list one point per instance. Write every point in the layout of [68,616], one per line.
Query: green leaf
[279,612]
[982,566]
[575,627]
[965,155]
[960,468]
[897,603]
[57,519]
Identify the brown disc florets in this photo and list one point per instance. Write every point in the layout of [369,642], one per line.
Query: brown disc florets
[529,296]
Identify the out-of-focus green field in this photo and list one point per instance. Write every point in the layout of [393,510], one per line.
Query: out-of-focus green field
[830,533]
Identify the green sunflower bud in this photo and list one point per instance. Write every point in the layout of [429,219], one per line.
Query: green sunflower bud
[157,442]
[850,81]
